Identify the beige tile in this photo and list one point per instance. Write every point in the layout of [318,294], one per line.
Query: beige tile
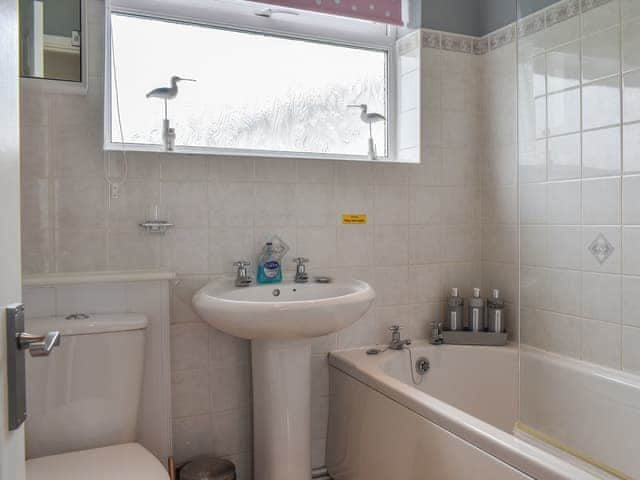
[189,393]
[228,245]
[189,346]
[80,250]
[186,203]
[314,204]
[226,350]
[391,205]
[275,204]
[425,244]
[185,250]
[391,245]
[315,171]
[75,151]
[231,204]
[318,244]
[354,245]
[191,437]
[230,387]
[136,202]
[34,151]
[231,432]
[133,249]
[276,170]
[184,167]
[182,291]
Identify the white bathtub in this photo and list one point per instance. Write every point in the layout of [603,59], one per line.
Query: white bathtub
[458,423]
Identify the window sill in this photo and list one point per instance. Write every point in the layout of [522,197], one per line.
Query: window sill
[225,152]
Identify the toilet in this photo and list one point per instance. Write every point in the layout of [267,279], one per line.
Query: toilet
[83,401]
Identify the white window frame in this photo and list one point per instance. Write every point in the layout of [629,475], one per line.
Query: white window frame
[233,15]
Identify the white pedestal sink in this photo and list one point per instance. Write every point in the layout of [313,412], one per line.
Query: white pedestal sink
[280,320]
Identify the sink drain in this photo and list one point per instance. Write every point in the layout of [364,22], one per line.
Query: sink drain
[422,365]
[276,292]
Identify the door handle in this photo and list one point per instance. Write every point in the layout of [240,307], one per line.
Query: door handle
[38,345]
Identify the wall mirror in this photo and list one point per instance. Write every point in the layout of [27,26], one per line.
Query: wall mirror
[52,42]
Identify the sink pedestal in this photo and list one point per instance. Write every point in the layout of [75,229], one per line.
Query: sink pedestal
[281,409]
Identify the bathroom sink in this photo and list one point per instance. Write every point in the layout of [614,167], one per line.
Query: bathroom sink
[284,311]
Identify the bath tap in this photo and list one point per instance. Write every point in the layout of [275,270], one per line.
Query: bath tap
[396,342]
[436,334]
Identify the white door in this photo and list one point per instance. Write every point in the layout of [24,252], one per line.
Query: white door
[11,443]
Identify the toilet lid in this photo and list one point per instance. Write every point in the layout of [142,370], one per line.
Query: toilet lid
[129,461]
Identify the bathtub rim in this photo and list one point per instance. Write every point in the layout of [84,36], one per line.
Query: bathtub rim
[513,451]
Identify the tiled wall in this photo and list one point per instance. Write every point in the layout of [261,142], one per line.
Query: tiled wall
[579,193]
[418,242]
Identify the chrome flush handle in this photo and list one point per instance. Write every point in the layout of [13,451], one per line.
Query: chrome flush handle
[38,345]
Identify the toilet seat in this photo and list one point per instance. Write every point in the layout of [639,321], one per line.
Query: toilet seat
[129,461]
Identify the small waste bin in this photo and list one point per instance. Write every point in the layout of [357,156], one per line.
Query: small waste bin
[207,468]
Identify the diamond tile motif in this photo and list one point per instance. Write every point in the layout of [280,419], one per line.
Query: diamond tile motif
[601,248]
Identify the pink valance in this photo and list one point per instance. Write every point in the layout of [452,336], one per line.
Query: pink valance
[383,11]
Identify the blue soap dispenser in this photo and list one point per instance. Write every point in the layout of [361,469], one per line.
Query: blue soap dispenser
[270,261]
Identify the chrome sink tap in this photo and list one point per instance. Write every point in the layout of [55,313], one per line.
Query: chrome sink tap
[243,279]
[396,342]
[301,270]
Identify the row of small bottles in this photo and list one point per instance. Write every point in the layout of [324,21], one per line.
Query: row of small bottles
[481,316]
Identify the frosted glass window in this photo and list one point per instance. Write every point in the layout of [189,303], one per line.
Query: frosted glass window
[254,92]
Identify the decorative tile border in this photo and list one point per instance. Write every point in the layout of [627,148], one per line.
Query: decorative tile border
[529,25]
[456,43]
[564,11]
[502,37]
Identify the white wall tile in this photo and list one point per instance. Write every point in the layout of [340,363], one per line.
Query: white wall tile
[631,349]
[631,301]
[563,68]
[630,42]
[564,157]
[601,202]
[601,343]
[563,203]
[601,54]
[631,96]
[631,254]
[589,262]
[632,148]
[601,103]
[601,17]
[601,297]
[601,152]
[564,112]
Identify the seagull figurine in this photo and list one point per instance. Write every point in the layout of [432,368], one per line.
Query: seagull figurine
[168,93]
[369,119]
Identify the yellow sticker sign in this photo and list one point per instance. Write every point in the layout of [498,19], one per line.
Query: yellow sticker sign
[354,219]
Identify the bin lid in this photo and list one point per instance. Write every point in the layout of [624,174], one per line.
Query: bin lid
[208,469]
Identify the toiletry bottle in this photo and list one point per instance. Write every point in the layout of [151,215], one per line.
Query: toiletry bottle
[476,312]
[495,313]
[269,265]
[455,311]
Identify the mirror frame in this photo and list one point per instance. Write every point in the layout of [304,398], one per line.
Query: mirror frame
[47,85]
